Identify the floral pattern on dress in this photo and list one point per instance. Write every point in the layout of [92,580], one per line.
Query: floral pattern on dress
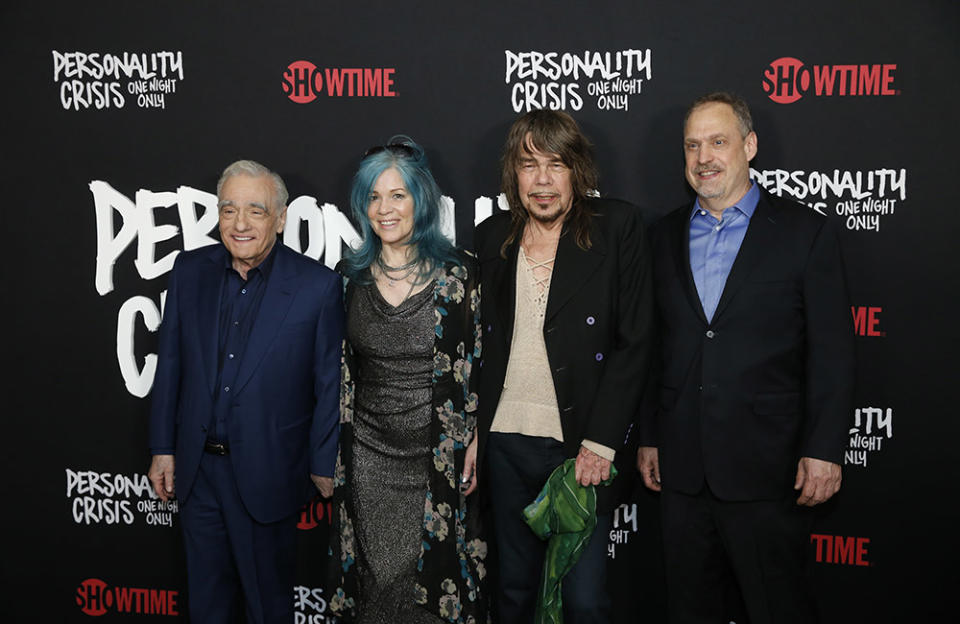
[450,569]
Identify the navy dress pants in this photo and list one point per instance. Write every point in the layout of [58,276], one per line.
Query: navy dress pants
[229,554]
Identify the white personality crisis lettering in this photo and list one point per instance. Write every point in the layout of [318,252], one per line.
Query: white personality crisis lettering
[326,227]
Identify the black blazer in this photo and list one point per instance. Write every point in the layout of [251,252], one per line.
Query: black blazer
[770,379]
[597,328]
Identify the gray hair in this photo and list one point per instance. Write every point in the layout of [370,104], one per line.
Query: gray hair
[737,103]
[254,169]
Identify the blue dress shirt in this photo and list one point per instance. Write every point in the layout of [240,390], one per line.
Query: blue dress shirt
[714,245]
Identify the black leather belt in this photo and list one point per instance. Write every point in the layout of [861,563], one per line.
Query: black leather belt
[216,448]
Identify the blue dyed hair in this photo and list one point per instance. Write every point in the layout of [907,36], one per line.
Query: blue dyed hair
[409,159]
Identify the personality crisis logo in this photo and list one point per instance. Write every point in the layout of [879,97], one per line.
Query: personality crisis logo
[104,498]
[788,79]
[105,80]
[124,221]
[872,426]
[565,80]
[862,198]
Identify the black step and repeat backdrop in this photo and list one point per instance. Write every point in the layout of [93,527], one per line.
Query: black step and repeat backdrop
[119,116]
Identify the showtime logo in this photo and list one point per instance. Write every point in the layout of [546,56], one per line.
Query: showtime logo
[95,598]
[841,550]
[313,512]
[303,81]
[866,321]
[787,79]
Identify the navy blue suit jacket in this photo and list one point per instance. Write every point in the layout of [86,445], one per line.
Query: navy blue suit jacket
[284,419]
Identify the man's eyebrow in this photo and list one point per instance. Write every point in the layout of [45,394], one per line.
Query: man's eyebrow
[715,135]
[229,202]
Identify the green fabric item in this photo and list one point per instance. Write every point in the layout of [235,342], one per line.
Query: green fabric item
[565,513]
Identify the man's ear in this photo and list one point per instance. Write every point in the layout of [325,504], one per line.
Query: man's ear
[750,145]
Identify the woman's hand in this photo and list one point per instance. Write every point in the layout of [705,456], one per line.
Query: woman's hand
[469,480]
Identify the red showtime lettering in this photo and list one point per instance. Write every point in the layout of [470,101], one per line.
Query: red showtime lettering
[866,319]
[302,82]
[313,512]
[787,79]
[93,597]
[365,82]
[840,550]
[853,79]
[147,601]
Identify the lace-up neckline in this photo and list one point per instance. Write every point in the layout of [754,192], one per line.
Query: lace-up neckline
[540,286]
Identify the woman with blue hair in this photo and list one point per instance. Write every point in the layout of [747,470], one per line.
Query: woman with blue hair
[405,546]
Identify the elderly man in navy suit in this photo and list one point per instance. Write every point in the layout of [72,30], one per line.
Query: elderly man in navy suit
[245,401]
[756,384]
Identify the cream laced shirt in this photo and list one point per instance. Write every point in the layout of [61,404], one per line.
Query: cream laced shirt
[528,402]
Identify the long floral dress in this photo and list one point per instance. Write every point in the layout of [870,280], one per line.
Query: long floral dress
[450,568]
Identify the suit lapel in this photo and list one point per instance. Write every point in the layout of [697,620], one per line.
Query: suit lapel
[574,266]
[505,291]
[755,245]
[681,240]
[281,288]
[210,290]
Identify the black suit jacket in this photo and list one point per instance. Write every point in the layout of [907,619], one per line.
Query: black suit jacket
[770,379]
[596,329]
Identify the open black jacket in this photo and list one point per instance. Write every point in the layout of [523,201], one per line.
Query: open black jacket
[597,329]
[770,378]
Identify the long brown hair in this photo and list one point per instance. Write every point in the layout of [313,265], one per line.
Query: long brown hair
[551,132]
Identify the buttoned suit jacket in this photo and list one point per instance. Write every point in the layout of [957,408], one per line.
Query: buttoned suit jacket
[284,413]
[596,328]
[770,378]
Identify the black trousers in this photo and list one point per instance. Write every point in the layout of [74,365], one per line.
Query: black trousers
[518,466]
[714,548]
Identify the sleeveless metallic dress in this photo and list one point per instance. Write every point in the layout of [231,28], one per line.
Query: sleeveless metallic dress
[392,450]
